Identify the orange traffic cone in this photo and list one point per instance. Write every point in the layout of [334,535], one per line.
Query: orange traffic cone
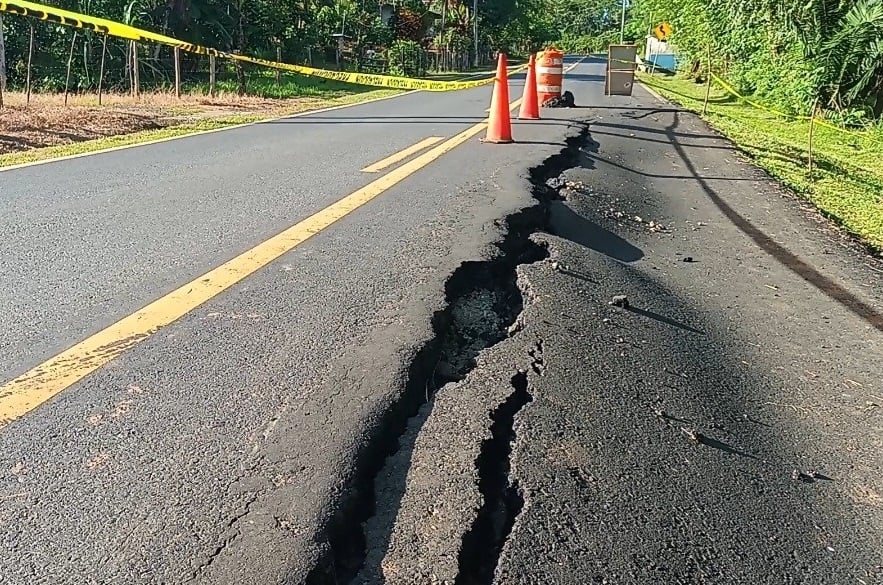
[530,103]
[499,128]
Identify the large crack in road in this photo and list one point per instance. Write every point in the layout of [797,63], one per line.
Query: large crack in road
[484,301]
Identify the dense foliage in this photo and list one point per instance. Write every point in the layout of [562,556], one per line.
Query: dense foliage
[398,36]
[789,51]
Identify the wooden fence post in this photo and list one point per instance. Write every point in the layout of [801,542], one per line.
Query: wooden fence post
[177,73]
[212,75]
[70,59]
[30,62]
[707,82]
[278,60]
[812,128]
[2,62]
[136,75]
[101,69]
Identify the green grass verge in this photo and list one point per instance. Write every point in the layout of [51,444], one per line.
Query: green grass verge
[87,146]
[847,182]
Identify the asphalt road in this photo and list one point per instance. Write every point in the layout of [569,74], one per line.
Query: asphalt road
[297,427]
[217,450]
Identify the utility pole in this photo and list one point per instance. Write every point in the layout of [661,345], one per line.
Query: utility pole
[622,25]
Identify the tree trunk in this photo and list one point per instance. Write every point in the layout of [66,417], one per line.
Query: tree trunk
[135,79]
[444,17]
[278,60]
[240,79]
[87,49]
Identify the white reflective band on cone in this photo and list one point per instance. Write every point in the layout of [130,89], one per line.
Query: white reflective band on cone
[557,61]
[549,88]
[552,70]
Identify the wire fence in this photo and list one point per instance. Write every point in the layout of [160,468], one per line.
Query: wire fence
[103,64]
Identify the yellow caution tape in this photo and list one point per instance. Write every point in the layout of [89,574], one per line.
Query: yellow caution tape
[124,31]
[760,106]
[757,105]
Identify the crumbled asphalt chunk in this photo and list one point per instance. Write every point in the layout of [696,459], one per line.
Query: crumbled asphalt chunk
[620,301]
[555,183]
[694,435]
[687,259]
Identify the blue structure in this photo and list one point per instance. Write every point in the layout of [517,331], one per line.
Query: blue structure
[659,55]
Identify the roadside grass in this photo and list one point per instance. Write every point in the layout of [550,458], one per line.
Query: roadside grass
[263,84]
[191,114]
[847,180]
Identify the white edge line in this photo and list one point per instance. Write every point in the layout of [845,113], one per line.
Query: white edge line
[197,133]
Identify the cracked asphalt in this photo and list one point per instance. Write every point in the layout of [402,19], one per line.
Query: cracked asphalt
[656,443]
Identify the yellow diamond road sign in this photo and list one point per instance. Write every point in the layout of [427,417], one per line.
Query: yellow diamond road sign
[662,31]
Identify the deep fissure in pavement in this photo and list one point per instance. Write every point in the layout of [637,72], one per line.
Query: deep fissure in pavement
[483,300]
[502,499]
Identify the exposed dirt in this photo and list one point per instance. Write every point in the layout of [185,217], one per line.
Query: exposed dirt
[48,122]
[38,127]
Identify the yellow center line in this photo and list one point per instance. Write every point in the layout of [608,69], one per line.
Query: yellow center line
[39,384]
[402,154]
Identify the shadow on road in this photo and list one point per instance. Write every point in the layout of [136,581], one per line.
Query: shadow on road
[720,445]
[566,223]
[596,132]
[645,129]
[403,120]
[582,77]
[605,161]
[663,319]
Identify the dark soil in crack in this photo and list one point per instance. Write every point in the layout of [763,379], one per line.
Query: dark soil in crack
[483,303]
[503,501]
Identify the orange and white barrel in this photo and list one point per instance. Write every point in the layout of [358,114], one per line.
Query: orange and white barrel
[550,74]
